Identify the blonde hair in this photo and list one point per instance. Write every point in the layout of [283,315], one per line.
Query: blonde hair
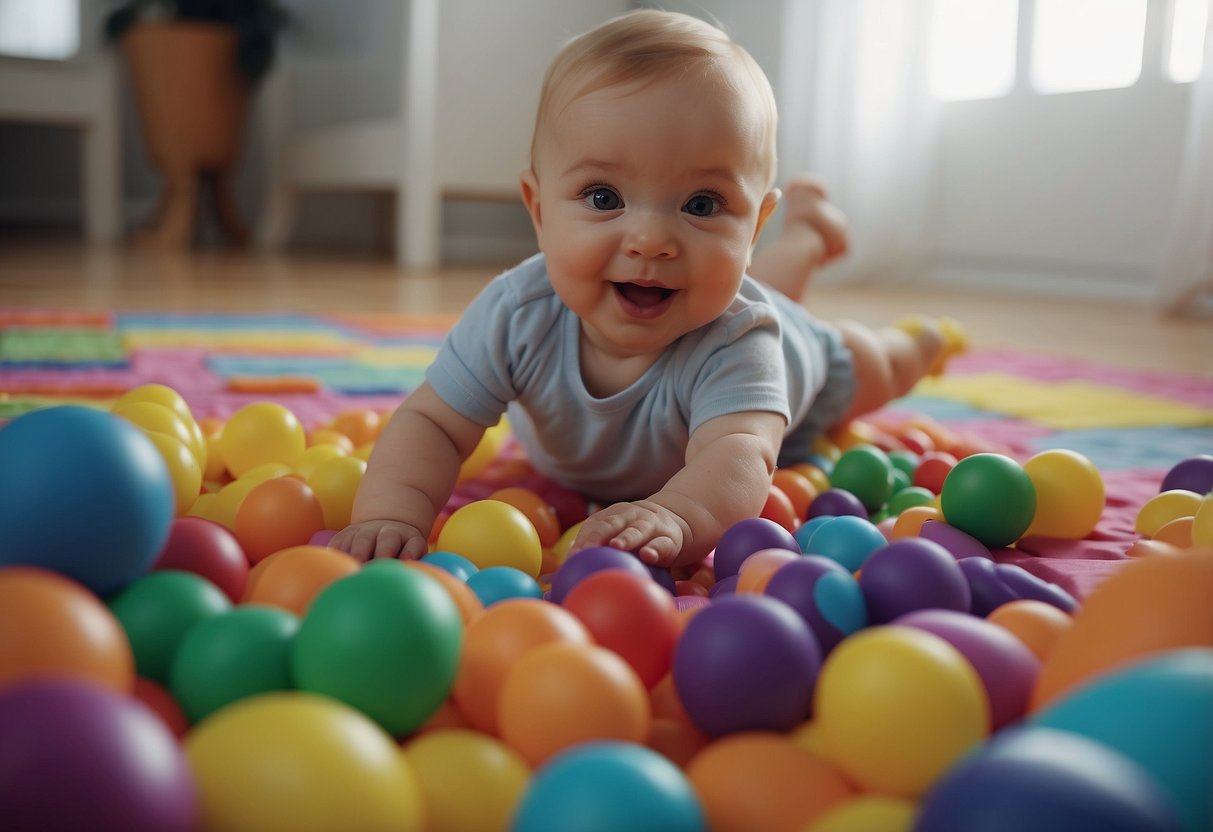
[648,45]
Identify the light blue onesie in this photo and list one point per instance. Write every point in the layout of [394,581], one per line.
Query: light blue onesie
[517,347]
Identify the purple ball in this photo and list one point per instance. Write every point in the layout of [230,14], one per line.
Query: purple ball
[912,574]
[582,564]
[77,756]
[987,589]
[746,663]
[725,586]
[663,578]
[690,602]
[1193,474]
[744,538]
[837,502]
[1008,669]
[824,594]
[960,543]
[1026,585]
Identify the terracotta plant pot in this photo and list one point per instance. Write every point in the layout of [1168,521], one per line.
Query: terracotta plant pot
[193,108]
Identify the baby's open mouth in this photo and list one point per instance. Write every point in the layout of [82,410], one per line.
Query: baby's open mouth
[643,300]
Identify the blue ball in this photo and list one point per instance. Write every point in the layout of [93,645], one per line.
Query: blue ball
[847,539]
[824,594]
[457,565]
[83,493]
[499,583]
[608,786]
[1045,780]
[804,532]
[1158,712]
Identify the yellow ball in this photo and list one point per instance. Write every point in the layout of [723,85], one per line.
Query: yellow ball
[215,466]
[258,433]
[204,507]
[313,456]
[335,482]
[302,762]
[157,417]
[1202,523]
[183,470]
[1069,494]
[170,398]
[266,471]
[486,451]
[896,707]
[227,501]
[1162,508]
[868,813]
[469,780]
[493,533]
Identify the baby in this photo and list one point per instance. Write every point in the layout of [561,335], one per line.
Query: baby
[639,363]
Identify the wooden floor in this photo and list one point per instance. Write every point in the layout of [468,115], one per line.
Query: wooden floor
[62,274]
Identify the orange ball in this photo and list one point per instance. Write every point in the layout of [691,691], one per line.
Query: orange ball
[779,509]
[291,578]
[757,569]
[468,602]
[563,694]
[1148,606]
[764,781]
[909,522]
[537,510]
[495,640]
[676,739]
[1177,532]
[798,488]
[52,626]
[1037,624]
[277,514]
[361,426]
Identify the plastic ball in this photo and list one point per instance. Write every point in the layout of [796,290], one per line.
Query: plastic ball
[361,425]
[1202,523]
[763,781]
[79,756]
[744,538]
[291,578]
[493,533]
[259,433]
[608,786]
[867,813]
[1156,712]
[837,502]
[83,493]
[991,497]
[301,762]
[231,656]
[1147,606]
[758,568]
[1165,507]
[182,467]
[562,694]
[908,497]
[630,615]
[910,522]
[746,662]
[457,565]
[153,417]
[385,640]
[465,599]
[807,529]
[53,626]
[1006,667]
[912,574]
[581,564]
[487,450]
[335,482]
[959,544]
[495,641]
[897,707]
[277,514]
[160,702]
[779,508]
[847,539]
[1047,781]
[1192,474]
[1037,624]
[866,472]
[933,470]
[157,611]
[306,463]
[498,583]
[798,488]
[468,780]
[542,516]
[207,549]
[1069,494]
[824,594]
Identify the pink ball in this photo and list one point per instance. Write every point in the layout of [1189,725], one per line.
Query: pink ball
[207,549]
[1006,666]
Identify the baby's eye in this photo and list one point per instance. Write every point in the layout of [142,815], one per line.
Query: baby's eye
[603,199]
[703,205]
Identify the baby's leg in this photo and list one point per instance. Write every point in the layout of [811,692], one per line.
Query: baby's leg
[814,233]
[888,362]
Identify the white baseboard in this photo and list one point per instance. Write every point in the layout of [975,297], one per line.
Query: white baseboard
[1048,280]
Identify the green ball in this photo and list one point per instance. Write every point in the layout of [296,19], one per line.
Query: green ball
[906,461]
[231,656]
[908,497]
[991,497]
[385,640]
[157,610]
[866,472]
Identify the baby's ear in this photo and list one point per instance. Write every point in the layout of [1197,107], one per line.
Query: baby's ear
[528,185]
[769,201]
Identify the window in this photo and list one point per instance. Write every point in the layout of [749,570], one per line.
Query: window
[48,29]
[1074,45]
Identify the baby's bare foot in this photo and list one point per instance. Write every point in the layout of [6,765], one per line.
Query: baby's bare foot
[807,208]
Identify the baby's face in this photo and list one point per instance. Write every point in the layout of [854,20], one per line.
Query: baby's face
[647,201]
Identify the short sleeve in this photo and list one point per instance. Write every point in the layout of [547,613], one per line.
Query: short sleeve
[745,372]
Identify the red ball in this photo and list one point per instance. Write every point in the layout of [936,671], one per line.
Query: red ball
[208,549]
[933,468]
[630,615]
[779,508]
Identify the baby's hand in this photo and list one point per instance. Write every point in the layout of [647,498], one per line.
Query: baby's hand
[381,539]
[653,532]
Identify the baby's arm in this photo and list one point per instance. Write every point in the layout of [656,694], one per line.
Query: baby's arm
[409,478]
[727,477]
